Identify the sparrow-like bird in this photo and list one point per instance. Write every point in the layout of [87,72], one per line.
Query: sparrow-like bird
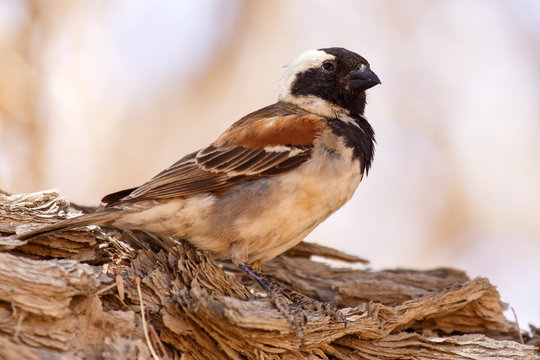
[270,178]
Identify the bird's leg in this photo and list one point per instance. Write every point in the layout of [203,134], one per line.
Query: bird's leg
[291,303]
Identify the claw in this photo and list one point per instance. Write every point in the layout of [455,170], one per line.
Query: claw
[291,303]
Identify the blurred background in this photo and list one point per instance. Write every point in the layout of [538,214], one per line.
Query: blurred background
[97,96]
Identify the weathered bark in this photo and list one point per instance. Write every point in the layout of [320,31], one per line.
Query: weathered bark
[75,295]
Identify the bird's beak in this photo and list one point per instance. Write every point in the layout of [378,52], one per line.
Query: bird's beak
[363,78]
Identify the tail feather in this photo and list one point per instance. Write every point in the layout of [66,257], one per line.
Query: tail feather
[101,217]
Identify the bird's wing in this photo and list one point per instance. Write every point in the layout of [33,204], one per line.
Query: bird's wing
[265,143]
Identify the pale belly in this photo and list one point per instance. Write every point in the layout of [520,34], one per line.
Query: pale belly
[291,210]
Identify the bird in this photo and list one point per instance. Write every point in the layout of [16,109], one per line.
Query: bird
[269,179]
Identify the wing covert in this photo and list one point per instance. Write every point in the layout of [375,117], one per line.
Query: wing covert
[266,143]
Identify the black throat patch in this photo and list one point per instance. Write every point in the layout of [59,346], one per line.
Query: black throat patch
[360,138]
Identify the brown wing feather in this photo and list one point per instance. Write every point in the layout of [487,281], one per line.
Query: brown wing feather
[237,156]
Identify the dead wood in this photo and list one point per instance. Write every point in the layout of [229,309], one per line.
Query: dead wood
[74,295]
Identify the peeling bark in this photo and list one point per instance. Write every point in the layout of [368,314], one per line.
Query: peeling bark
[74,295]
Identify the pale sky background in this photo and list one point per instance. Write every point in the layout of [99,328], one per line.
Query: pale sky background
[100,95]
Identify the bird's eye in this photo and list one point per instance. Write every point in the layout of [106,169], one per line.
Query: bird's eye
[328,66]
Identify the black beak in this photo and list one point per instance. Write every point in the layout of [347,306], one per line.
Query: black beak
[363,79]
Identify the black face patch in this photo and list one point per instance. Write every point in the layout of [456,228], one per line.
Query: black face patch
[332,86]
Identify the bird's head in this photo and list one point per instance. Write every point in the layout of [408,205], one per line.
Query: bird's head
[329,82]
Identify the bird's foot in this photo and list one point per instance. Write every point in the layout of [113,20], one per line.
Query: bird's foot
[293,305]
[310,304]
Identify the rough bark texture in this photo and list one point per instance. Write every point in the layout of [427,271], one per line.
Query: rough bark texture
[75,295]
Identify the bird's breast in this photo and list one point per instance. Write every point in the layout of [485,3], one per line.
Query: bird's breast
[279,212]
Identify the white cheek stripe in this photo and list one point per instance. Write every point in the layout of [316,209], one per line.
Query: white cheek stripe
[321,107]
